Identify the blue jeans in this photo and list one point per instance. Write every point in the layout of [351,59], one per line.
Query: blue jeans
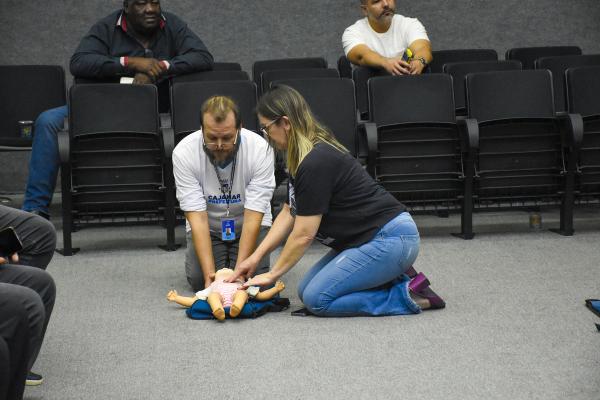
[366,280]
[44,162]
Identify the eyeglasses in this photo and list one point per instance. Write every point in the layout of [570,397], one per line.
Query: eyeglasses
[223,145]
[265,129]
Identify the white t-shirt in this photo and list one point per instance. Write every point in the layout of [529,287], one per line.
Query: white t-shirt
[403,31]
[198,187]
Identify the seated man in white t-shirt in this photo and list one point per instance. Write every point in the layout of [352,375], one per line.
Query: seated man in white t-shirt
[225,181]
[380,39]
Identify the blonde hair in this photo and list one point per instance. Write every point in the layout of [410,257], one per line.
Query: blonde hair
[219,108]
[305,131]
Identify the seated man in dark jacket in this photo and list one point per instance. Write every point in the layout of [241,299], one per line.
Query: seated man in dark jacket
[139,41]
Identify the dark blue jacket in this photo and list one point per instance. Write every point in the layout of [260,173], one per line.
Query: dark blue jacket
[100,51]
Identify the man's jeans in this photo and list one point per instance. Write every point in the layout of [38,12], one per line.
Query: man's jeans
[44,162]
[367,280]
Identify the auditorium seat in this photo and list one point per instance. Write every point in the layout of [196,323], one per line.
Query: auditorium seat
[459,70]
[344,67]
[226,66]
[27,90]
[284,63]
[528,55]
[115,161]
[332,102]
[558,66]
[441,57]
[525,153]
[583,97]
[215,75]
[187,99]
[417,148]
[361,76]
[299,73]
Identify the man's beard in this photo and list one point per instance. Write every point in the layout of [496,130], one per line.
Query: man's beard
[226,161]
[391,12]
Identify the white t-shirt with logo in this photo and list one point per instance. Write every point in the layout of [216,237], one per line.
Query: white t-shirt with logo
[402,32]
[198,187]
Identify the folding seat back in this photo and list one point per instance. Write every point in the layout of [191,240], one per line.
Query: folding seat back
[558,66]
[215,75]
[442,57]
[226,66]
[459,70]
[361,76]
[298,73]
[285,63]
[332,102]
[187,99]
[392,99]
[509,94]
[344,67]
[528,55]
[27,90]
[583,90]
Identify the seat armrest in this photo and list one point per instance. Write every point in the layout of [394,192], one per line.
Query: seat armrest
[571,126]
[168,139]
[368,130]
[64,146]
[469,132]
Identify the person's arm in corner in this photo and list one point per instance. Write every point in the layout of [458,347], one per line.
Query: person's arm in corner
[258,194]
[420,48]
[363,55]
[202,243]
[191,200]
[191,53]
[303,233]
[250,232]
[281,228]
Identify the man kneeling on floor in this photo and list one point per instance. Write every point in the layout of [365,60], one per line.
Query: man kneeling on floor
[225,181]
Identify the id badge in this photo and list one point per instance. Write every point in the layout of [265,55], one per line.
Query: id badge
[227,229]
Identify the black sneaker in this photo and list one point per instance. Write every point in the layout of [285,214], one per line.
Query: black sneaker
[33,379]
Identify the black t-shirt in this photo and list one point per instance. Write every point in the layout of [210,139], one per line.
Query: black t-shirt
[353,205]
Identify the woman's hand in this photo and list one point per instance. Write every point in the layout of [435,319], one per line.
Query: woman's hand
[266,279]
[245,269]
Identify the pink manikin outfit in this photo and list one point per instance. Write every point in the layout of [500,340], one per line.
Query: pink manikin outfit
[226,290]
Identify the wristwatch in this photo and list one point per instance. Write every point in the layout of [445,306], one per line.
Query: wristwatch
[423,61]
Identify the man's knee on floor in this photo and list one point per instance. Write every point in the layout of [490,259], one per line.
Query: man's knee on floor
[196,282]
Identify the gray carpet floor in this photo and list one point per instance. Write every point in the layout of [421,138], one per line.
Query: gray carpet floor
[515,326]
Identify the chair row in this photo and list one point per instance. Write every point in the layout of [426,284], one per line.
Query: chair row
[106,191]
[459,63]
[511,152]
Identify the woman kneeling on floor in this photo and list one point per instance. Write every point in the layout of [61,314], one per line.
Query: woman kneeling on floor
[373,238]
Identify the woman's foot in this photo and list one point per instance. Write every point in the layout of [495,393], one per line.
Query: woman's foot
[423,295]
[420,300]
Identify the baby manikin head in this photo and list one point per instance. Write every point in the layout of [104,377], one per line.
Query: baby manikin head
[225,273]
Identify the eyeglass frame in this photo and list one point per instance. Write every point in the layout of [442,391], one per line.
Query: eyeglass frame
[264,130]
[223,145]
